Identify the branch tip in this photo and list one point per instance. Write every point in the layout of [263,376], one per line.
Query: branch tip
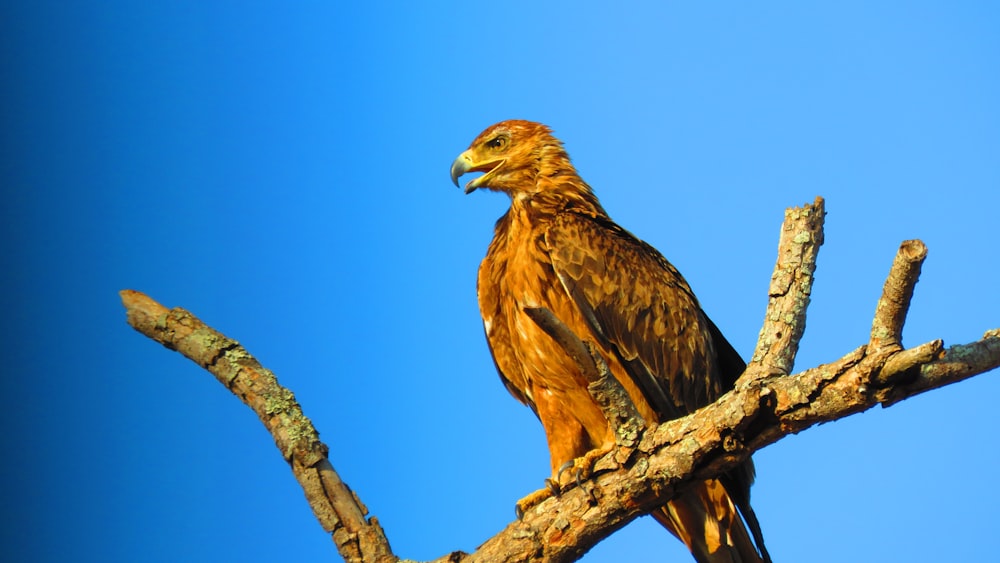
[897,292]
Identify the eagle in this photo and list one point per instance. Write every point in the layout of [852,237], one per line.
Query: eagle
[556,249]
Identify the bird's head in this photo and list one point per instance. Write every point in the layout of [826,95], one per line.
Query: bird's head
[512,154]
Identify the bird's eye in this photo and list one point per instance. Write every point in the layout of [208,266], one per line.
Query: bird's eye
[497,142]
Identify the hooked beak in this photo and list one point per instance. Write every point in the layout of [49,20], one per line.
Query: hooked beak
[465,163]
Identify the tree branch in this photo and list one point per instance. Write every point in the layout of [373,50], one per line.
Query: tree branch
[764,407]
[890,313]
[788,295]
[711,441]
[336,507]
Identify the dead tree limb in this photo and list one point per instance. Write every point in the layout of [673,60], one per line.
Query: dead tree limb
[765,406]
[336,507]
[788,294]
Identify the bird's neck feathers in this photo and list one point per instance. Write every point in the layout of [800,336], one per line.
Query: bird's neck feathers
[556,187]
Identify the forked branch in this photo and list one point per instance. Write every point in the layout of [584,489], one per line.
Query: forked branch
[765,406]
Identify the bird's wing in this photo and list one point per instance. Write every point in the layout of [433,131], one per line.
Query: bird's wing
[639,303]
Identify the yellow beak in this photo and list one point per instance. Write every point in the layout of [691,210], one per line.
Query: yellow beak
[466,163]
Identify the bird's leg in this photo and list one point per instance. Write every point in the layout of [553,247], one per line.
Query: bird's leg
[573,472]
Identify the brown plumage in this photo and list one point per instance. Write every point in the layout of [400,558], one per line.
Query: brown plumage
[557,248]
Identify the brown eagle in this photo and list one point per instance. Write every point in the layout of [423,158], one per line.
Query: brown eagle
[557,249]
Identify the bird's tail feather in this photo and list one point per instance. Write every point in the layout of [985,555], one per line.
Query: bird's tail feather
[705,518]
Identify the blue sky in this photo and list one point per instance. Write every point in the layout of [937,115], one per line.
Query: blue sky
[282,172]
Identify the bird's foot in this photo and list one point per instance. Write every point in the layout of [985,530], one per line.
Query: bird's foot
[573,472]
[535,498]
[576,471]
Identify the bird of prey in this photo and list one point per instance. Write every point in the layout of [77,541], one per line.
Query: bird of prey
[556,249]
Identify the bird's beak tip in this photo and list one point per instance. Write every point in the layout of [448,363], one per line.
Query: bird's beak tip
[459,167]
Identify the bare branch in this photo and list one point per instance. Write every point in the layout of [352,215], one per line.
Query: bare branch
[901,364]
[788,295]
[887,327]
[711,441]
[765,406]
[957,363]
[336,507]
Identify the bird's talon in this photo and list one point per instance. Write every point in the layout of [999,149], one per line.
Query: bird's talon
[564,468]
[553,486]
[571,464]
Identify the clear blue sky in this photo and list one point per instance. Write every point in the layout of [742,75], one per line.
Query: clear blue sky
[282,172]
